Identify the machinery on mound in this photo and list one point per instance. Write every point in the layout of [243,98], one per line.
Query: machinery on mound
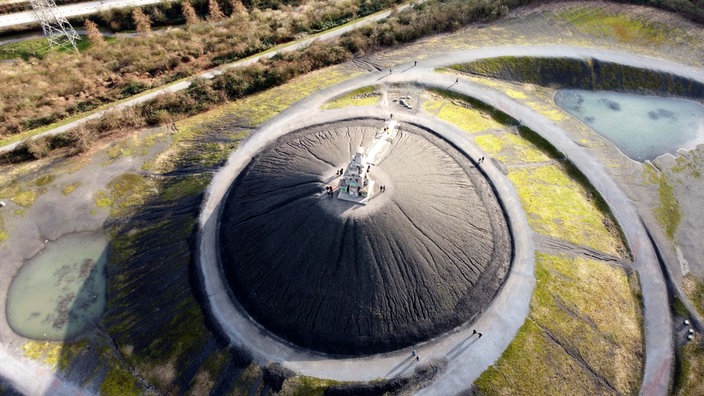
[356,185]
[338,277]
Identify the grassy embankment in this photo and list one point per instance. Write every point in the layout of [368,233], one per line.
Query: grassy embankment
[365,96]
[48,87]
[667,212]
[201,145]
[159,356]
[431,17]
[570,336]
[640,28]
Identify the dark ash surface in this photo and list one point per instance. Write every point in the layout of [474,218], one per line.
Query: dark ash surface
[423,257]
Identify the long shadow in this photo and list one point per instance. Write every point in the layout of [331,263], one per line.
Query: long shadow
[399,366]
[154,317]
[461,347]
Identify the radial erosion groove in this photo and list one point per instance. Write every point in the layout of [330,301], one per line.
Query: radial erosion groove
[423,256]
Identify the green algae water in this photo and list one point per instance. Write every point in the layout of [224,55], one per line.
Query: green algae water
[642,127]
[57,294]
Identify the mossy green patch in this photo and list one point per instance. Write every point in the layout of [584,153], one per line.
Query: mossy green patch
[578,300]
[25,198]
[126,191]
[365,96]
[533,364]
[306,386]
[262,106]
[186,187]
[694,287]
[102,199]
[251,111]
[43,180]
[35,48]
[25,49]
[70,351]
[510,148]
[691,165]
[3,233]
[246,381]
[68,189]
[118,150]
[622,27]
[44,352]
[560,207]
[119,382]
[690,368]
[133,145]
[572,315]
[668,211]
[460,114]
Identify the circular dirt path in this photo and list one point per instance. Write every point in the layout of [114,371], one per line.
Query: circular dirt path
[458,346]
[467,357]
[419,259]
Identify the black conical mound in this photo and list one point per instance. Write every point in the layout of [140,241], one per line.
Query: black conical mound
[422,257]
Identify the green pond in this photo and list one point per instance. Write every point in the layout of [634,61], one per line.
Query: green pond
[60,292]
[642,127]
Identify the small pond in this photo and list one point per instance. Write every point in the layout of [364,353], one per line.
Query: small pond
[642,127]
[57,294]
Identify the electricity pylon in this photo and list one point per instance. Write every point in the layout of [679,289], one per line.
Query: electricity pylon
[56,28]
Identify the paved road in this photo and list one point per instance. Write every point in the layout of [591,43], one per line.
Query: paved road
[71,10]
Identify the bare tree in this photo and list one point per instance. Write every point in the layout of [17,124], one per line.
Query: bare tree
[189,13]
[142,21]
[214,12]
[237,7]
[94,35]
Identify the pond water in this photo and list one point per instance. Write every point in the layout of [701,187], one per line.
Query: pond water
[57,294]
[642,127]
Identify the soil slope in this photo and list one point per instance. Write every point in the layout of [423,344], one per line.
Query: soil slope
[422,257]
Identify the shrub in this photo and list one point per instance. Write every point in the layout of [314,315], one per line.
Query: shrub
[141,21]
[94,36]
[214,12]
[37,147]
[189,13]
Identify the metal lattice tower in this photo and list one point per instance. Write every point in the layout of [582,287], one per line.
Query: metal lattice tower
[56,28]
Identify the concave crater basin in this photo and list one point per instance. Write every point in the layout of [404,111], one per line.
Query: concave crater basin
[425,256]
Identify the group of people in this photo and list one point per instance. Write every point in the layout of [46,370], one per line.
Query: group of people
[414,353]
[329,190]
[382,188]
[480,160]
[339,172]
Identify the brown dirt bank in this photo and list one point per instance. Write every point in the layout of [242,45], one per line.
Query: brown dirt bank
[425,256]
